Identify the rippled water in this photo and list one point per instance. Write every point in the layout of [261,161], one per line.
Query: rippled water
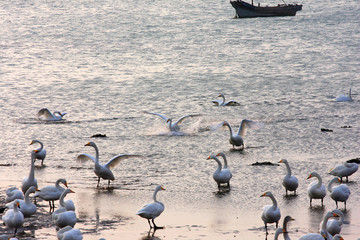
[105,62]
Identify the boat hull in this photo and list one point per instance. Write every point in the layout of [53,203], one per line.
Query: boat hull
[246,10]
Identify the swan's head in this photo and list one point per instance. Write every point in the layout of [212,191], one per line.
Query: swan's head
[68,190]
[158,188]
[33,141]
[32,189]
[169,120]
[220,154]
[267,194]
[63,181]
[221,95]
[62,114]
[338,237]
[313,174]
[211,157]
[283,161]
[92,144]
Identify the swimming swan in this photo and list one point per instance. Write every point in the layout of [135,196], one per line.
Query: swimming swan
[221,175]
[237,139]
[224,103]
[52,193]
[316,190]
[104,171]
[40,152]
[31,180]
[344,170]
[271,213]
[343,98]
[339,193]
[69,233]
[13,218]
[45,115]
[333,226]
[173,126]
[26,206]
[290,182]
[152,210]
[13,193]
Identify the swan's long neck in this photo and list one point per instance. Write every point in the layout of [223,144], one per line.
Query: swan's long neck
[274,201]
[219,164]
[96,155]
[225,161]
[16,209]
[32,169]
[350,93]
[228,125]
[325,220]
[329,187]
[41,146]
[154,195]
[319,179]
[61,199]
[27,196]
[288,169]
[223,97]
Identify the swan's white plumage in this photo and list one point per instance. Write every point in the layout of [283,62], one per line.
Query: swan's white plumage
[64,219]
[286,220]
[323,232]
[316,190]
[338,237]
[45,115]
[236,139]
[26,206]
[64,205]
[344,170]
[271,213]
[13,193]
[152,210]
[52,193]
[344,98]
[40,153]
[339,193]
[224,103]
[290,182]
[69,233]
[333,226]
[104,171]
[278,232]
[221,175]
[31,180]
[173,126]
[13,218]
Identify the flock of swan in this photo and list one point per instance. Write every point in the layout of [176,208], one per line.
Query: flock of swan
[19,206]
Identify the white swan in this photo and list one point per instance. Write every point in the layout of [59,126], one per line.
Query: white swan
[271,213]
[333,226]
[221,175]
[40,153]
[67,218]
[344,170]
[290,182]
[316,190]
[236,139]
[152,210]
[103,171]
[13,218]
[343,98]
[224,103]
[323,232]
[278,232]
[31,180]
[13,193]
[339,193]
[26,206]
[69,233]
[286,220]
[45,115]
[64,205]
[173,126]
[338,237]
[52,193]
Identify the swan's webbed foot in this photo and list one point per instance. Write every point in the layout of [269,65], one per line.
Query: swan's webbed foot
[156,227]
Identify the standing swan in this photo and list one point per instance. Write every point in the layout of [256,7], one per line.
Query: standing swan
[289,182]
[152,210]
[316,190]
[40,152]
[27,207]
[344,170]
[45,115]
[173,126]
[31,180]
[221,175]
[224,103]
[333,226]
[52,193]
[64,205]
[339,193]
[237,139]
[343,98]
[13,218]
[103,171]
[271,213]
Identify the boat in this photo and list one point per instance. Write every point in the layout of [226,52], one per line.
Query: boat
[247,10]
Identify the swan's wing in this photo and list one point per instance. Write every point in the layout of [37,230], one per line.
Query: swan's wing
[245,124]
[85,157]
[232,103]
[217,102]
[157,114]
[117,159]
[186,116]
[45,114]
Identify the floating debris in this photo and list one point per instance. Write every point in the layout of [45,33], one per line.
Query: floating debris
[326,130]
[264,163]
[355,160]
[99,135]
[345,127]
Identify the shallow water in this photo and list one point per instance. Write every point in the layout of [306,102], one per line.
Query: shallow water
[104,63]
